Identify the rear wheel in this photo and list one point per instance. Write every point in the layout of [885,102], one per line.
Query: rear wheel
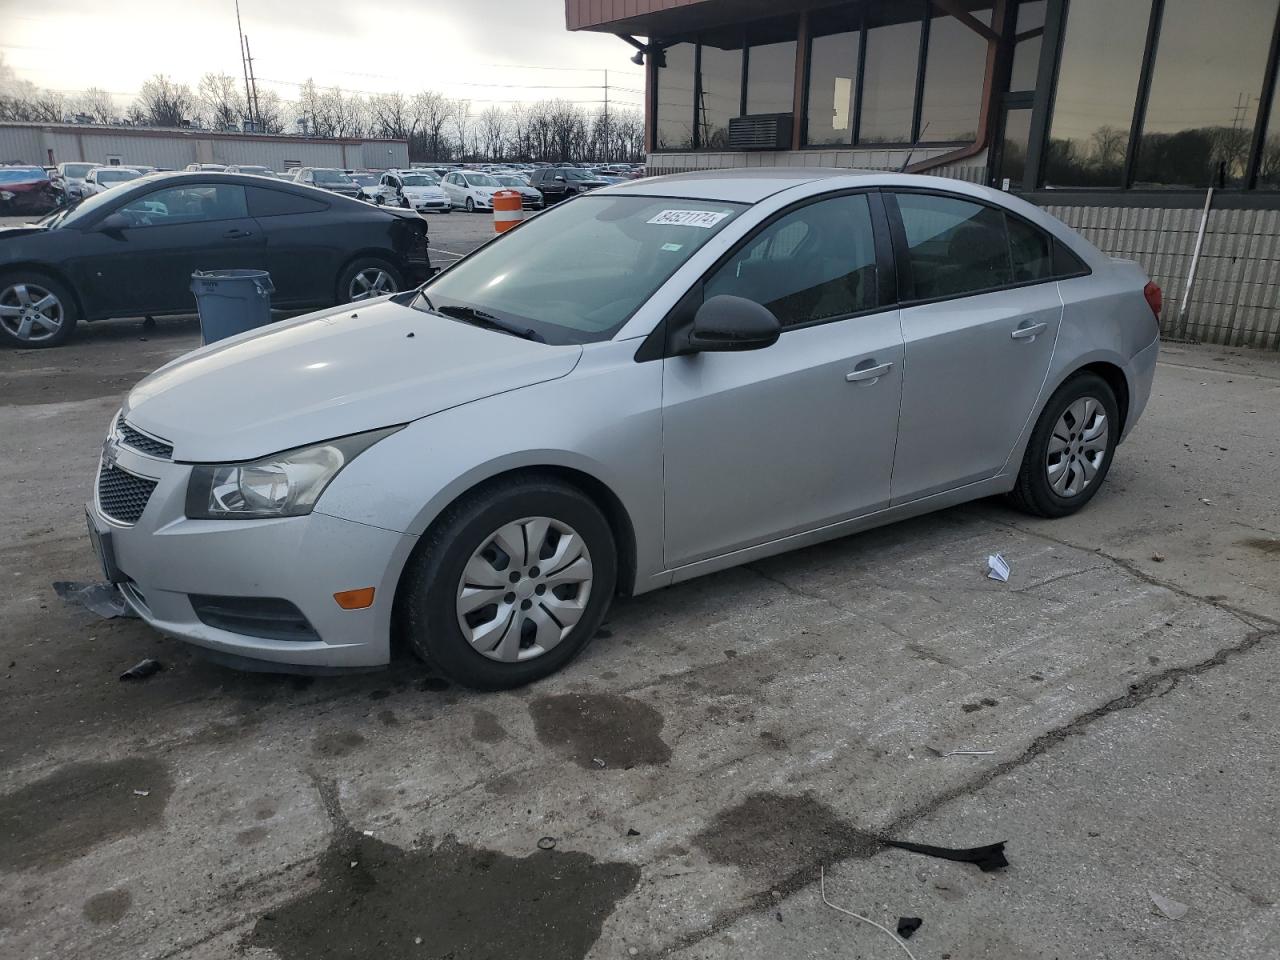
[1071,448]
[35,310]
[510,584]
[368,277]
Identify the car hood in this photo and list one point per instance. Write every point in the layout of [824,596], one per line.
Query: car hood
[22,231]
[344,370]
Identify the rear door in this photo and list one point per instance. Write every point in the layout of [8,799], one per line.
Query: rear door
[173,231]
[980,318]
[762,444]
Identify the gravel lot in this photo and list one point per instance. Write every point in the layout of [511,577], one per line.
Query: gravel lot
[717,744]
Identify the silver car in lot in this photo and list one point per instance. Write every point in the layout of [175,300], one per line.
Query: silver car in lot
[654,381]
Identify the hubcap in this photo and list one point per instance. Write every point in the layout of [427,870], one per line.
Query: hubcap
[524,589]
[371,282]
[30,312]
[1077,447]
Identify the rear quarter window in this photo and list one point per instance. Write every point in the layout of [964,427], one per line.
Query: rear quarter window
[274,203]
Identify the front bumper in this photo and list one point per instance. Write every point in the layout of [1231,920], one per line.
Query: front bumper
[164,559]
[431,206]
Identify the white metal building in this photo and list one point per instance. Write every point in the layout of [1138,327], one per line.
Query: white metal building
[49,143]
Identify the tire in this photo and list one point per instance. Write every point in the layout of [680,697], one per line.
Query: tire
[471,206]
[26,324]
[404,204]
[379,200]
[350,290]
[1069,437]
[459,565]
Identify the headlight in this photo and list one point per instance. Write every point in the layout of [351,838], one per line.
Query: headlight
[285,484]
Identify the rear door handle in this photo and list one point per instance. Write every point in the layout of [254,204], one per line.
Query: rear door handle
[1030,332]
[868,373]
[237,234]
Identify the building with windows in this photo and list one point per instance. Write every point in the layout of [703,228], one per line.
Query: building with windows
[1150,125]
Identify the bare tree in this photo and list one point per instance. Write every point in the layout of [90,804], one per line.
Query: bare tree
[312,111]
[271,112]
[431,113]
[165,103]
[221,101]
[97,103]
[392,115]
[345,113]
[492,134]
[460,121]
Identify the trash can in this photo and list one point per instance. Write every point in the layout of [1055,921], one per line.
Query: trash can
[231,301]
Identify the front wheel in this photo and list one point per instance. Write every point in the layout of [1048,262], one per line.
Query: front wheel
[1071,448]
[35,310]
[510,583]
[471,205]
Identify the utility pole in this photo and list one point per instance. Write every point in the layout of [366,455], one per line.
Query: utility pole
[606,116]
[253,85]
[244,65]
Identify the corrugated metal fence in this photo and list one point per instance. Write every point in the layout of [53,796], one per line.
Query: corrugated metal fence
[1236,296]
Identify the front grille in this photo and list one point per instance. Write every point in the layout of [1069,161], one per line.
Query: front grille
[144,444]
[121,495]
[529,203]
[271,618]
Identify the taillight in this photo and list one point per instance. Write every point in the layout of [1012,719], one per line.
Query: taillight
[1155,297]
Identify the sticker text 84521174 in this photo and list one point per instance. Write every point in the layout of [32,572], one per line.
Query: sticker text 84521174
[688,218]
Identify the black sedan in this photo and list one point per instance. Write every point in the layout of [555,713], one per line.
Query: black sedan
[130,251]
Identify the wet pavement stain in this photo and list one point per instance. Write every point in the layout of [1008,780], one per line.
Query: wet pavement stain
[247,838]
[374,899]
[338,744]
[487,729]
[107,907]
[780,838]
[59,818]
[1262,544]
[621,731]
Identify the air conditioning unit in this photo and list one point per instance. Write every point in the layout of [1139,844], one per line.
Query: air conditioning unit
[760,131]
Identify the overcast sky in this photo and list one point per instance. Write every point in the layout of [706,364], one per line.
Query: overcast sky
[483,50]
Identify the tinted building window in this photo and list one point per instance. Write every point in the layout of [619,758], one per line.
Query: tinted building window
[953,247]
[953,73]
[1269,167]
[1202,108]
[816,263]
[1097,89]
[1026,53]
[674,123]
[771,77]
[833,73]
[889,83]
[720,97]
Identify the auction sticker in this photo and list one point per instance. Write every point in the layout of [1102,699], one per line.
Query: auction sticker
[688,218]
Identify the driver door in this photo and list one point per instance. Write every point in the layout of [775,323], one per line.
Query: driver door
[147,266]
[764,444]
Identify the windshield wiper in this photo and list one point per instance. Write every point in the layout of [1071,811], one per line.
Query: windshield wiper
[481,319]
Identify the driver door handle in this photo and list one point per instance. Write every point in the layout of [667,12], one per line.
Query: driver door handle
[237,234]
[1029,333]
[869,373]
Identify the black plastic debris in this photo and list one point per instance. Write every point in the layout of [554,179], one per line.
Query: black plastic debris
[142,669]
[632,832]
[100,598]
[987,859]
[908,925]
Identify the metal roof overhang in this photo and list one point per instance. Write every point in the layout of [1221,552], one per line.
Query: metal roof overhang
[650,18]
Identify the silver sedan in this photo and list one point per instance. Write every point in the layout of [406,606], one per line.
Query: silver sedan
[655,381]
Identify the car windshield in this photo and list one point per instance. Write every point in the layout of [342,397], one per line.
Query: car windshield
[117,176]
[77,211]
[21,174]
[77,170]
[577,273]
[330,176]
[480,180]
[365,179]
[570,173]
[420,180]
[512,182]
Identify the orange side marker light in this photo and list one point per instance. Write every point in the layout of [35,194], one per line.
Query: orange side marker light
[355,599]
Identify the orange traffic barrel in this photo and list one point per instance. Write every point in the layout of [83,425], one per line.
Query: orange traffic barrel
[506,210]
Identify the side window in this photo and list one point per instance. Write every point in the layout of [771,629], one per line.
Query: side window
[954,247]
[816,263]
[265,202]
[1031,252]
[192,203]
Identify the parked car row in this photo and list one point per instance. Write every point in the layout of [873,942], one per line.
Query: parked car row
[130,250]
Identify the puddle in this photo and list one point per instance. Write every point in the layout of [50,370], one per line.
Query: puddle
[621,731]
[461,901]
[63,816]
[778,838]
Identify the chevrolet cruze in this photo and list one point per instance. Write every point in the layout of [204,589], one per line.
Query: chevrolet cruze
[654,381]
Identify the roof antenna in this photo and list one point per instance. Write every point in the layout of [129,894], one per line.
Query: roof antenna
[907,162]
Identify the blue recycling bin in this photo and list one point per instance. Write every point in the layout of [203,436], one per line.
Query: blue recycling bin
[231,301]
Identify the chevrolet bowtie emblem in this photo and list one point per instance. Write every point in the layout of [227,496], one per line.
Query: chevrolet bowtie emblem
[110,452]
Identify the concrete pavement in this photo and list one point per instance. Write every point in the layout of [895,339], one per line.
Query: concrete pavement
[716,745]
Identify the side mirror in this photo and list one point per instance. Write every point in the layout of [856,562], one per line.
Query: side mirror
[726,323]
[114,223]
[560,178]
